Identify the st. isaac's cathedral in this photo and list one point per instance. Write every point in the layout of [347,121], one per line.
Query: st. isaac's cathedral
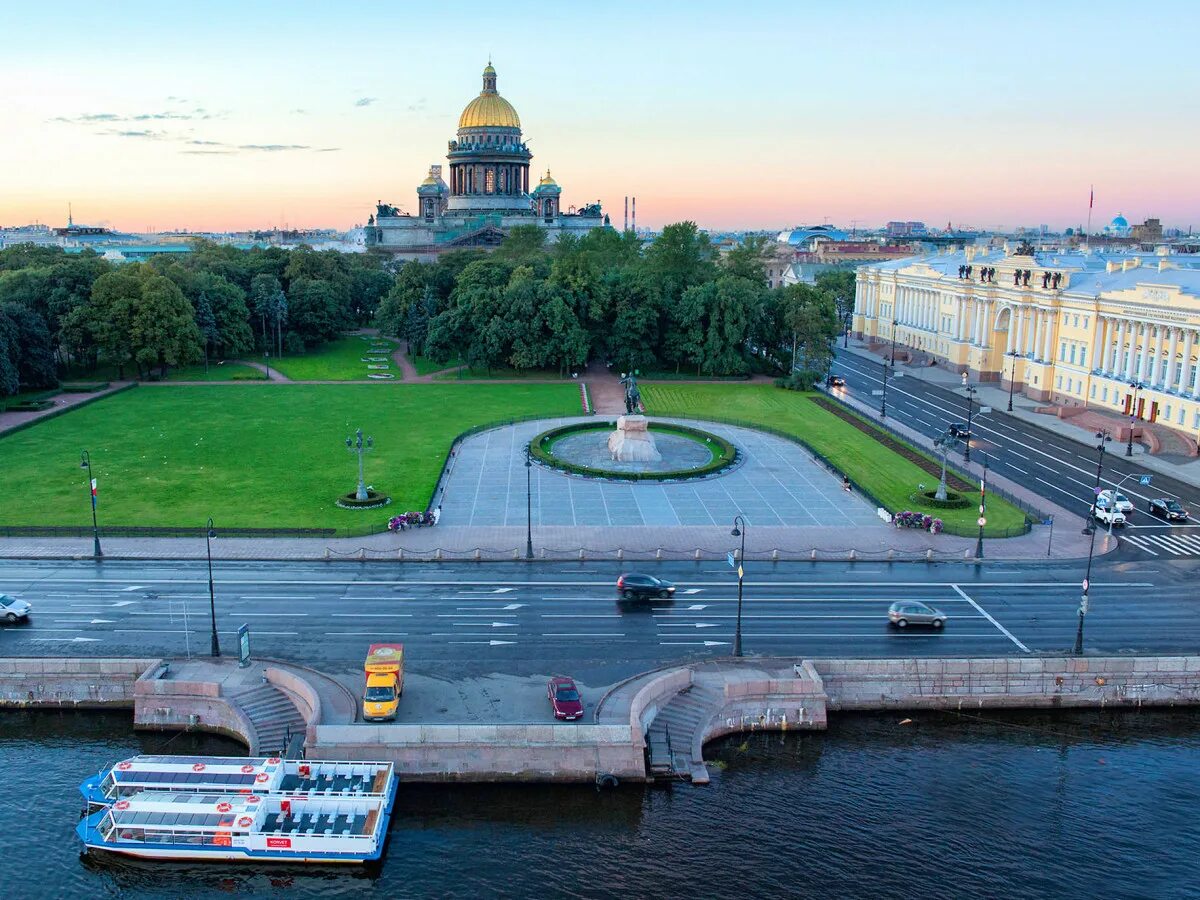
[488,190]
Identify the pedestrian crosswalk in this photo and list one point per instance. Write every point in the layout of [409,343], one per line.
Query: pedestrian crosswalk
[1167,544]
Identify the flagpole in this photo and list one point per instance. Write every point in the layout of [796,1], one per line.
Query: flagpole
[1087,237]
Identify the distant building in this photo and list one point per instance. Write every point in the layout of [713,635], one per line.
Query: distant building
[905,229]
[1149,231]
[488,191]
[806,237]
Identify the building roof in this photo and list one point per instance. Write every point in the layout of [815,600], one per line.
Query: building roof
[489,109]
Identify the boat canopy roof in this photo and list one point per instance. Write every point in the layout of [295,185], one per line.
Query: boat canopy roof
[188,812]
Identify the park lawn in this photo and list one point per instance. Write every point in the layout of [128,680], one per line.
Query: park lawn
[339,360]
[426,366]
[889,477]
[226,371]
[500,374]
[250,455]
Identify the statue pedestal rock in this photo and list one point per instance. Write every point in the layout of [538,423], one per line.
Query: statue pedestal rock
[632,441]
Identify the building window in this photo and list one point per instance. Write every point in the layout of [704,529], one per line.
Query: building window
[1085,321]
[1062,352]
[1076,323]
[489,181]
[1181,415]
[1058,382]
[1093,392]
[1066,319]
[1070,385]
[1196,419]
[1072,360]
[1167,412]
[1104,395]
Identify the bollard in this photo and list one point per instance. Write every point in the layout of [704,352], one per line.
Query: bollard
[928,556]
[658,553]
[775,555]
[966,554]
[362,553]
[478,555]
[516,554]
[853,555]
[814,554]
[544,553]
[437,554]
[581,556]
[327,553]
[620,553]
[891,553]
[400,554]
[697,554]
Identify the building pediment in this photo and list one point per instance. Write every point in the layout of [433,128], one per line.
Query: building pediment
[487,236]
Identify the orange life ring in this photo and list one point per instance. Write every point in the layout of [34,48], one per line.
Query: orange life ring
[125,766]
[224,807]
[273,761]
[262,777]
[198,767]
[246,770]
[121,804]
[245,822]
[253,798]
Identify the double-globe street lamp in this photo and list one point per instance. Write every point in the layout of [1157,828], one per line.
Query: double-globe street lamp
[971,390]
[209,534]
[1012,378]
[85,462]
[1102,438]
[739,532]
[1137,387]
[528,505]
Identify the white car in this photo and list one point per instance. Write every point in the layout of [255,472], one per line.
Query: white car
[12,609]
[1115,498]
[1109,516]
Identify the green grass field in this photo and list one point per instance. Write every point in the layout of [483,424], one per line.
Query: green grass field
[250,455]
[216,372]
[469,374]
[426,366]
[888,476]
[340,360]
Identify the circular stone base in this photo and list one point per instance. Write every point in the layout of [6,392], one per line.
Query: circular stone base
[374,500]
[582,450]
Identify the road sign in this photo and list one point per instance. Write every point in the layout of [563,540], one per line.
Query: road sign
[982,521]
[1085,585]
[876,393]
[1144,479]
[741,573]
[729,559]
[984,409]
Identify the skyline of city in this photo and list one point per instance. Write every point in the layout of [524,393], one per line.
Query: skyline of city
[277,115]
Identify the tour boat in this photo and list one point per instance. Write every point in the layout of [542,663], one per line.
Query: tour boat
[169,825]
[234,775]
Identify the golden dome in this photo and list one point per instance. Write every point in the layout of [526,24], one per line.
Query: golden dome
[489,109]
[548,180]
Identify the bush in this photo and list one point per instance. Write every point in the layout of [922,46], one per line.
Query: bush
[800,380]
[84,387]
[952,501]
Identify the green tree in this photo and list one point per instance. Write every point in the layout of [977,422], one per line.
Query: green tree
[523,244]
[26,359]
[748,259]
[314,313]
[410,286]
[810,318]
[163,328]
[839,285]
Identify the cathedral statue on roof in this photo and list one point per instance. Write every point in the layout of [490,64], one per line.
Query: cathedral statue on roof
[485,192]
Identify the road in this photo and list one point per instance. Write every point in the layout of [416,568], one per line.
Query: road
[1052,466]
[479,619]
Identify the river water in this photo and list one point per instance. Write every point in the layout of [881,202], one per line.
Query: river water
[1019,805]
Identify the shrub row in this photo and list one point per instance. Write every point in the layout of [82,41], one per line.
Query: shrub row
[952,501]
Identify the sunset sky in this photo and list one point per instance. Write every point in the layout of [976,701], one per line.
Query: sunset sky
[232,115]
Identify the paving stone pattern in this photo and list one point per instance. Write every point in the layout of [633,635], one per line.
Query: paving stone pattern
[778,484]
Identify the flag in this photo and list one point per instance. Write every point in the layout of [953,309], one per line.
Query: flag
[93,493]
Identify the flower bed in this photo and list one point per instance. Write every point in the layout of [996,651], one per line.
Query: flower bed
[724,454]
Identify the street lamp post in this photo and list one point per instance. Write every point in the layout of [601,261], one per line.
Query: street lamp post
[1137,387]
[739,532]
[85,462]
[528,505]
[209,534]
[1102,438]
[357,445]
[846,333]
[970,390]
[982,509]
[893,342]
[883,405]
[1012,379]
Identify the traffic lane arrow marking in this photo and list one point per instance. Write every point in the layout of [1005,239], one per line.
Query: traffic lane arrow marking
[688,624]
[485,643]
[482,624]
[503,590]
[74,640]
[697,606]
[691,591]
[509,608]
[693,643]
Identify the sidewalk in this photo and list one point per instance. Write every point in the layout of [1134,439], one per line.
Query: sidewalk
[1026,410]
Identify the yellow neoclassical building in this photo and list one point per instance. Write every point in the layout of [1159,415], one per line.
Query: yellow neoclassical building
[1071,327]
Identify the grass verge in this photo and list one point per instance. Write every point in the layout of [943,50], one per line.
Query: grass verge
[340,360]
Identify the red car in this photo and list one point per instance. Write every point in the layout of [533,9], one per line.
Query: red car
[564,698]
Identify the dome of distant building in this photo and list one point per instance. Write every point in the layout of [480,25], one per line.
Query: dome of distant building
[489,109]
[803,237]
[1119,226]
[1120,222]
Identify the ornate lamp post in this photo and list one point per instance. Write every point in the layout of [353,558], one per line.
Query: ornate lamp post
[85,462]
[356,445]
[737,634]
[1012,379]
[971,391]
[1102,438]
[1137,387]
[893,341]
[528,505]
[982,509]
[883,405]
[209,534]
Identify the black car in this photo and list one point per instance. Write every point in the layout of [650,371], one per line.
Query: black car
[634,586]
[834,381]
[959,430]
[1168,509]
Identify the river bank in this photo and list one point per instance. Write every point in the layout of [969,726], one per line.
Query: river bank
[1044,804]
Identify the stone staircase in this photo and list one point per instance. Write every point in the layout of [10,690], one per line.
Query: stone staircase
[273,715]
[674,734]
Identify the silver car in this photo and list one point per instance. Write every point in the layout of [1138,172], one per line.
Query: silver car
[903,613]
[12,609]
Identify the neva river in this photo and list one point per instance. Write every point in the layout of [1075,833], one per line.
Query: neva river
[1080,805]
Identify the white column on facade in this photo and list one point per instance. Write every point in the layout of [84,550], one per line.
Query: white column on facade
[1012,330]
[977,331]
[1039,323]
[1168,380]
[1119,349]
[1048,338]
[1195,380]
[1143,367]
[1029,345]
[1186,364]
[1156,377]
[1131,352]
[1097,356]
[1106,327]
[1019,317]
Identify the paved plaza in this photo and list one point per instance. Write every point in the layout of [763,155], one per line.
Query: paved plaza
[778,484]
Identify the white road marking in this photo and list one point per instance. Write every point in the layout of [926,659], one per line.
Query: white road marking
[581,634]
[370,615]
[580,616]
[481,624]
[983,612]
[487,643]
[74,640]
[689,624]
[693,643]
[181,631]
[506,608]
[698,606]
[366,633]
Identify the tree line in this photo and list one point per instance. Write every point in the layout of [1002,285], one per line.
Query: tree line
[675,305]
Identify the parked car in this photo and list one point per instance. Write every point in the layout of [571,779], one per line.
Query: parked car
[1168,509]
[564,698]
[903,613]
[636,586]
[12,609]
[1115,498]
[1109,516]
[959,430]
[834,381]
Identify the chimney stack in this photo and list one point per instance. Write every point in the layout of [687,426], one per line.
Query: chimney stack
[626,212]
[635,215]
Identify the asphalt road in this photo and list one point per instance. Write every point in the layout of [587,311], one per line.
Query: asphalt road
[1052,466]
[479,619]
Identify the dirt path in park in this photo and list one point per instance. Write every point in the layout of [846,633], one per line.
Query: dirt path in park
[407,370]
